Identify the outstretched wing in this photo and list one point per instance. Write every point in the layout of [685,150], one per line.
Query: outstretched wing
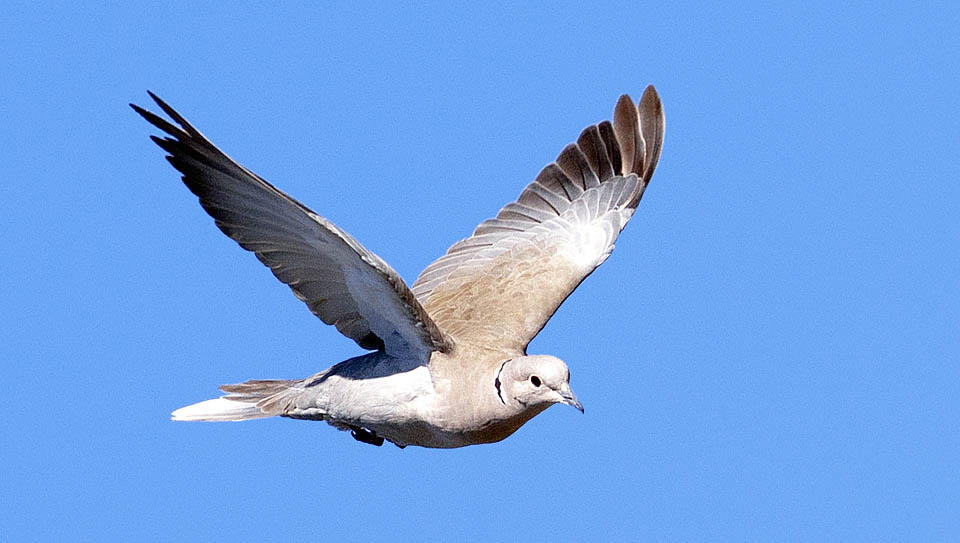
[502,284]
[340,281]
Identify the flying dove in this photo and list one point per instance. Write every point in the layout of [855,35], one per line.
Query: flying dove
[448,366]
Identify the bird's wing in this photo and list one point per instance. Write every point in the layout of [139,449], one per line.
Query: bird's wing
[502,284]
[340,281]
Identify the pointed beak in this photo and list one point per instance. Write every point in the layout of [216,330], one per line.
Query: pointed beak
[569,398]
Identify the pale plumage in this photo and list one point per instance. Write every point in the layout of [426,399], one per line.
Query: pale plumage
[449,366]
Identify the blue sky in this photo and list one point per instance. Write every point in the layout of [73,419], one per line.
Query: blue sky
[771,353]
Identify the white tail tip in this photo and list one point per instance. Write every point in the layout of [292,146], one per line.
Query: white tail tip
[218,409]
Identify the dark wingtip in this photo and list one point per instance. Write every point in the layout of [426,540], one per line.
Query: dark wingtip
[652,123]
[138,109]
[650,97]
[142,111]
[177,118]
[157,99]
[164,106]
[186,132]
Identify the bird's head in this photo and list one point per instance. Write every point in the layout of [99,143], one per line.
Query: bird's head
[535,381]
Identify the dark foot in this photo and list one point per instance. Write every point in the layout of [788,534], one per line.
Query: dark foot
[365,436]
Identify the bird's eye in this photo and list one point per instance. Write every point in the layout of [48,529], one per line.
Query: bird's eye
[534,380]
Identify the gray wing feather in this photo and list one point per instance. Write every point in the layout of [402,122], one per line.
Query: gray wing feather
[340,281]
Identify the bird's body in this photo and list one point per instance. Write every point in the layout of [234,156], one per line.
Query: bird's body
[391,398]
[449,366]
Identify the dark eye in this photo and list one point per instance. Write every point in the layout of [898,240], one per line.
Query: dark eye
[534,380]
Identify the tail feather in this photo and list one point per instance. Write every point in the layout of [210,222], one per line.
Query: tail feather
[219,409]
[255,399]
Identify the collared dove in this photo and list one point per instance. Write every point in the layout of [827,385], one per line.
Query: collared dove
[449,366]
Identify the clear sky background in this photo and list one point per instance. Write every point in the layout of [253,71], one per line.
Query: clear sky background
[771,353]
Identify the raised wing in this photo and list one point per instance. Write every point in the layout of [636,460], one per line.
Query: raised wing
[502,284]
[340,281]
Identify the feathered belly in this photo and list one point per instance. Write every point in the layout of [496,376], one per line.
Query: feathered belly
[427,434]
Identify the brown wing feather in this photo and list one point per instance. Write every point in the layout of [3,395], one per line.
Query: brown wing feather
[504,282]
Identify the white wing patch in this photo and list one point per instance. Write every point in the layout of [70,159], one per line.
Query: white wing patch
[589,227]
[590,245]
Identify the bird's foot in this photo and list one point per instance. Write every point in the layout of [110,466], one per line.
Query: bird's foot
[365,436]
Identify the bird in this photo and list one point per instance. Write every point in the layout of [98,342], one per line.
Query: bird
[446,361]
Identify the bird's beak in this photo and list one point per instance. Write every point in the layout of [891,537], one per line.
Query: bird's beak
[569,398]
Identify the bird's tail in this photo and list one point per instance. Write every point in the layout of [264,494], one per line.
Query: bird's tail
[256,399]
